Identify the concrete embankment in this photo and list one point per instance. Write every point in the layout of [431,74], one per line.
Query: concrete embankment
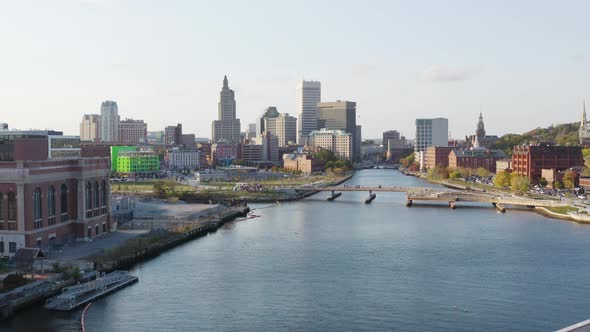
[548,213]
[196,231]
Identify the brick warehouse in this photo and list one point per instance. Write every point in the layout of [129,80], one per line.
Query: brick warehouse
[530,160]
[49,202]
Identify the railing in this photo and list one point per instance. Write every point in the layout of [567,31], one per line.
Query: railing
[51,220]
[64,217]
[38,223]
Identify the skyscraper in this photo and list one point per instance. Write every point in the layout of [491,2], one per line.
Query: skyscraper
[90,127]
[283,126]
[431,132]
[340,115]
[269,112]
[173,135]
[227,127]
[109,121]
[309,94]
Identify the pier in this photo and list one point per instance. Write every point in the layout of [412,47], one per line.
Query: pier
[75,296]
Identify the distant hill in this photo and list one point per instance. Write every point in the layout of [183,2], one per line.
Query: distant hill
[561,134]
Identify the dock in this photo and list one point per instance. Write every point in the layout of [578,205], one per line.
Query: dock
[74,296]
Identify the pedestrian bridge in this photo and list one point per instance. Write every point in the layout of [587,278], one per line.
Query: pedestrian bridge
[430,194]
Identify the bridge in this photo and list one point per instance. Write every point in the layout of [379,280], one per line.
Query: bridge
[430,194]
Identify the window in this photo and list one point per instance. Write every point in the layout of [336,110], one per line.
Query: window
[37,208]
[104,227]
[104,193]
[12,206]
[38,243]
[1,211]
[88,196]
[96,195]
[2,247]
[64,202]
[51,201]
[12,247]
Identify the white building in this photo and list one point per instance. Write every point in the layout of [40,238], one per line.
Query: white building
[184,158]
[284,127]
[109,122]
[90,127]
[309,94]
[431,132]
[337,141]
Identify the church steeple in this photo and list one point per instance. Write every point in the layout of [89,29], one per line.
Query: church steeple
[481,132]
[584,122]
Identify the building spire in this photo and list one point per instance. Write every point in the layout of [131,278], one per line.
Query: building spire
[584,122]
[480,132]
[225,81]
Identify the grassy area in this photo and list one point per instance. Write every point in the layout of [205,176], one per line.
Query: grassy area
[144,186]
[291,181]
[562,209]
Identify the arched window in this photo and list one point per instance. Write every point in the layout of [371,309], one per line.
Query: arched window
[104,193]
[88,196]
[96,195]
[12,206]
[51,201]
[64,198]
[37,204]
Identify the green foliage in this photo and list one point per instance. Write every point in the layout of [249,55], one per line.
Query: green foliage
[415,167]
[543,182]
[569,179]
[73,272]
[438,172]
[482,172]
[164,189]
[502,179]
[586,153]
[368,142]
[520,183]
[326,155]
[408,160]
[561,134]
[558,185]
[454,175]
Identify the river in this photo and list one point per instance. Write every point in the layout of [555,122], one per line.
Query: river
[314,265]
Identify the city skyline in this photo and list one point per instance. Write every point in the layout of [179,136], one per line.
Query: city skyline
[459,67]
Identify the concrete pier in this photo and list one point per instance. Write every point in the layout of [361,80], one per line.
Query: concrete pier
[334,196]
[500,207]
[370,198]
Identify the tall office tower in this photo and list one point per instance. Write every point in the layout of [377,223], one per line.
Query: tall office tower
[270,146]
[269,112]
[90,127]
[283,126]
[227,127]
[109,121]
[251,133]
[431,132]
[340,115]
[358,140]
[132,131]
[173,135]
[309,94]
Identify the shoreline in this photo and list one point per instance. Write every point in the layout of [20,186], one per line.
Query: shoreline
[542,211]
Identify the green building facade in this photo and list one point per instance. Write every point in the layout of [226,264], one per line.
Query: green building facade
[129,160]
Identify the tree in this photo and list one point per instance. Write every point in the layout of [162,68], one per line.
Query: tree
[408,161]
[415,167]
[454,175]
[558,185]
[326,155]
[543,182]
[569,179]
[482,172]
[520,183]
[502,179]
[438,172]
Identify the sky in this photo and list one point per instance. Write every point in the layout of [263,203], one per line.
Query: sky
[524,64]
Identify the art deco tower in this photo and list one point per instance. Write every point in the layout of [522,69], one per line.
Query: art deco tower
[227,127]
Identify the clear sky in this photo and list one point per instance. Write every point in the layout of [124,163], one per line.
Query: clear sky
[523,63]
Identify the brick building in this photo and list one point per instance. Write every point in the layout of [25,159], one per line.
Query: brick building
[303,162]
[476,158]
[530,160]
[132,131]
[47,202]
[437,155]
